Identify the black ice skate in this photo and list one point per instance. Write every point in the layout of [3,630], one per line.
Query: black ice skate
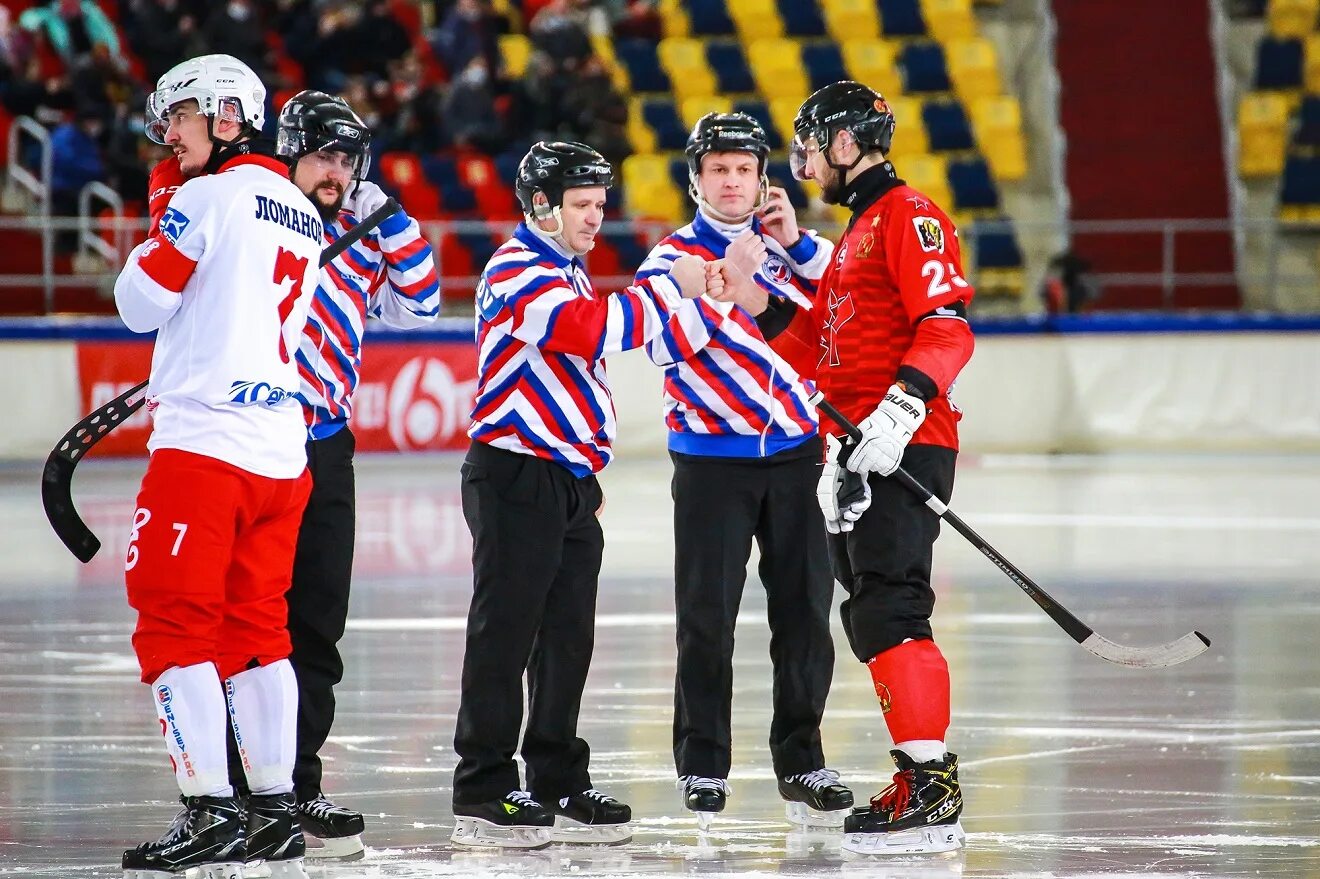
[206,837]
[591,817]
[515,820]
[815,799]
[705,796]
[274,838]
[918,813]
[332,832]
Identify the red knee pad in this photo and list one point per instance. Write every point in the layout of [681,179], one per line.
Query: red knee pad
[912,683]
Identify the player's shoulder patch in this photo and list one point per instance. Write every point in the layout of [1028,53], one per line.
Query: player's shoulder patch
[930,233]
[172,224]
[776,269]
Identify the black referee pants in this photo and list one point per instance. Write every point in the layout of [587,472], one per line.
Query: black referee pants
[720,506]
[536,551]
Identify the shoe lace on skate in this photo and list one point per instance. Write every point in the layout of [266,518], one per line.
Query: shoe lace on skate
[598,796]
[522,798]
[894,799]
[816,779]
[689,783]
[321,808]
[180,827]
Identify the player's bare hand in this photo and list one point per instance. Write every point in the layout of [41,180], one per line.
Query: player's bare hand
[739,289]
[778,217]
[746,252]
[689,273]
[715,280]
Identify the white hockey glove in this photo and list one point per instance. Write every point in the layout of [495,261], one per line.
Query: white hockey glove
[366,198]
[842,495]
[886,431]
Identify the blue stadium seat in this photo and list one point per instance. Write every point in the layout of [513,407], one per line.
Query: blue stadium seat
[757,109]
[801,19]
[662,116]
[901,18]
[730,66]
[996,245]
[678,172]
[644,71]
[1308,123]
[781,175]
[442,173]
[972,187]
[924,68]
[1301,181]
[1279,64]
[480,245]
[947,127]
[613,198]
[824,63]
[631,253]
[709,17]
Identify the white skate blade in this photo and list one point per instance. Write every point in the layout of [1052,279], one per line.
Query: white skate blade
[802,815]
[917,841]
[289,868]
[705,820]
[577,833]
[206,871]
[479,833]
[335,848]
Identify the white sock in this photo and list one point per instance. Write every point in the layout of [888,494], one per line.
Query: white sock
[263,706]
[191,708]
[922,750]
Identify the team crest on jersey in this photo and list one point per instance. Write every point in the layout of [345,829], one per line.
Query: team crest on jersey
[776,269]
[257,393]
[840,255]
[930,234]
[172,224]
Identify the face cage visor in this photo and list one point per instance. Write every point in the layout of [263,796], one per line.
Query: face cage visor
[292,145]
[162,101]
[800,151]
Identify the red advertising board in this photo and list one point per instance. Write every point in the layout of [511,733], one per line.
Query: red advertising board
[413,396]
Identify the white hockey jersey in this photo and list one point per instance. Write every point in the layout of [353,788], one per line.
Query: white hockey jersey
[227,282]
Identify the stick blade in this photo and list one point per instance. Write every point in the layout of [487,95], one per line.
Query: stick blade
[1189,646]
[57,500]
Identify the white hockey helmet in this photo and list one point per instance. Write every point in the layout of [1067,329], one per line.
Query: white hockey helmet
[218,83]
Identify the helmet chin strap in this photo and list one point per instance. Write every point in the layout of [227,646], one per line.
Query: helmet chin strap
[695,193]
[541,214]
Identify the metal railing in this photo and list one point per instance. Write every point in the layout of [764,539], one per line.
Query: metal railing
[37,186]
[90,238]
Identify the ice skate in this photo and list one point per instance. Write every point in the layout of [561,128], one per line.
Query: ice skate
[591,817]
[205,841]
[275,844]
[917,814]
[815,799]
[515,820]
[332,832]
[705,797]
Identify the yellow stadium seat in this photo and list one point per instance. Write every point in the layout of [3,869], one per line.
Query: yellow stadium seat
[692,109]
[756,19]
[684,59]
[1311,63]
[997,124]
[949,19]
[512,14]
[674,18]
[909,130]
[851,19]
[974,68]
[782,112]
[873,62]
[929,175]
[1262,134]
[515,49]
[1292,18]
[648,190]
[640,135]
[603,46]
[777,68]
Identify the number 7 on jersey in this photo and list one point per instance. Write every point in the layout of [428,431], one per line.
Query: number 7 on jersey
[288,267]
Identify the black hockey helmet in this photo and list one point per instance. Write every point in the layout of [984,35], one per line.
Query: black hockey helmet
[312,121]
[726,133]
[842,106]
[555,166]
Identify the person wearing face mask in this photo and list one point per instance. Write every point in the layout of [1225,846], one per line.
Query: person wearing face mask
[743,439]
[542,428]
[388,275]
[892,320]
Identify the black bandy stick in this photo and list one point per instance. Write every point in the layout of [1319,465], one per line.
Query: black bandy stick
[57,476]
[1188,646]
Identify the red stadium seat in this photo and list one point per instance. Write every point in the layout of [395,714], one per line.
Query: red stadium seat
[418,196]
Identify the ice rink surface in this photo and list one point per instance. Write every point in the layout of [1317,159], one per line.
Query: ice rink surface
[1070,767]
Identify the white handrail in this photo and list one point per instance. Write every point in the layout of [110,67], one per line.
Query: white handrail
[39,187]
[88,238]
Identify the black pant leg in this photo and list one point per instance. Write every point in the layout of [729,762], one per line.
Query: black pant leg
[795,570]
[555,754]
[886,558]
[716,508]
[518,526]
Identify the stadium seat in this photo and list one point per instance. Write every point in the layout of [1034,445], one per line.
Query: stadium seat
[973,189]
[923,68]
[648,190]
[824,64]
[1262,134]
[495,198]
[947,127]
[709,18]
[997,258]
[781,174]
[404,172]
[693,109]
[910,137]
[441,171]
[875,63]
[756,19]
[678,172]
[1308,123]
[1279,64]
[901,18]
[1299,197]
[662,116]
[777,68]
[643,65]
[1292,18]
[949,19]
[684,60]
[851,19]
[730,65]
[454,261]
[782,113]
[997,123]
[640,135]
[603,46]
[674,19]
[480,246]
[758,110]
[1311,65]
[801,19]
[928,175]
[974,68]
[515,49]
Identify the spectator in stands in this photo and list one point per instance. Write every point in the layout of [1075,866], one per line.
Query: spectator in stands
[596,113]
[236,29]
[378,39]
[470,109]
[468,29]
[72,27]
[153,29]
[635,20]
[419,124]
[75,149]
[43,98]
[560,31]
[1067,288]
[325,53]
[100,83]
